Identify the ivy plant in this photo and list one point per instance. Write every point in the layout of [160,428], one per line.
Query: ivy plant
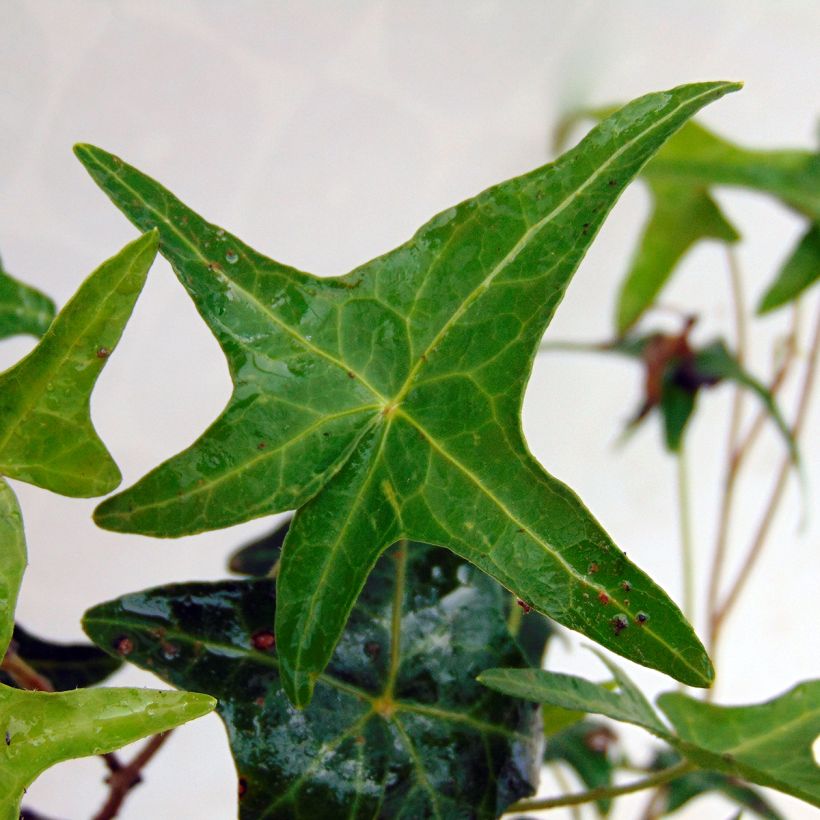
[382,652]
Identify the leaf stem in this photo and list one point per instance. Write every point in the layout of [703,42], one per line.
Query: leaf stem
[734,454]
[759,540]
[602,792]
[395,618]
[24,675]
[685,521]
[123,779]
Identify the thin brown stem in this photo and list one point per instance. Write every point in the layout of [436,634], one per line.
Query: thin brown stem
[759,540]
[123,779]
[24,675]
[602,792]
[733,453]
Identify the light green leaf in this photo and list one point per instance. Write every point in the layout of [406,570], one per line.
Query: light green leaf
[386,404]
[800,271]
[769,743]
[12,561]
[683,212]
[626,704]
[22,308]
[45,728]
[46,434]
[681,216]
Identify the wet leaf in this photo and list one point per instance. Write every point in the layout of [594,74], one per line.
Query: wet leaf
[395,728]
[40,729]
[22,308]
[584,747]
[683,212]
[46,434]
[800,271]
[769,744]
[385,404]
[687,787]
[66,666]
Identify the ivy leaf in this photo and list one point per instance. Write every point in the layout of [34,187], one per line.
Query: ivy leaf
[683,212]
[800,271]
[65,666]
[768,743]
[398,725]
[680,791]
[584,747]
[385,404]
[22,308]
[41,729]
[46,436]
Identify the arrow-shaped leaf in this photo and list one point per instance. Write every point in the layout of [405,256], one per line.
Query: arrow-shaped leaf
[683,212]
[22,308]
[385,404]
[800,271]
[46,434]
[769,743]
[398,727]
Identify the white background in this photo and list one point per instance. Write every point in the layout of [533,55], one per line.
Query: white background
[324,134]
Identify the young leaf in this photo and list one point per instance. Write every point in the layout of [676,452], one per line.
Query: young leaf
[22,308]
[681,216]
[769,743]
[65,666]
[683,212]
[626,704]
[44,728]
[397,726]
[680,791]
[385,404]
[46,434]
[12,560]
[800,272]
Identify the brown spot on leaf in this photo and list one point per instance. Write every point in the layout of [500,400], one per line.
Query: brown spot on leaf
[263,640]
[524,606]
[619,624]
[261,445]
[124,645]
[641,618]
[592,568]
[103,353]
[626,586]
[603,598]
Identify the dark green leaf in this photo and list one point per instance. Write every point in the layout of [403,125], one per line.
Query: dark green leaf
[46,434]
[769,743]
[800,271]
[387,402]
[584,747]
[259,557]
[715,363]
[22,308]
[677,405]
[65,666]
[677,793]
[397,728]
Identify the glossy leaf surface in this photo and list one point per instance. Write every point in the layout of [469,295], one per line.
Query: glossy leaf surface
[385,404]
[12,561]
[769,744]
[65,666]
[800,271]
[46,434]
[398,726]
[682,790]
[45,728]
[22,308]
